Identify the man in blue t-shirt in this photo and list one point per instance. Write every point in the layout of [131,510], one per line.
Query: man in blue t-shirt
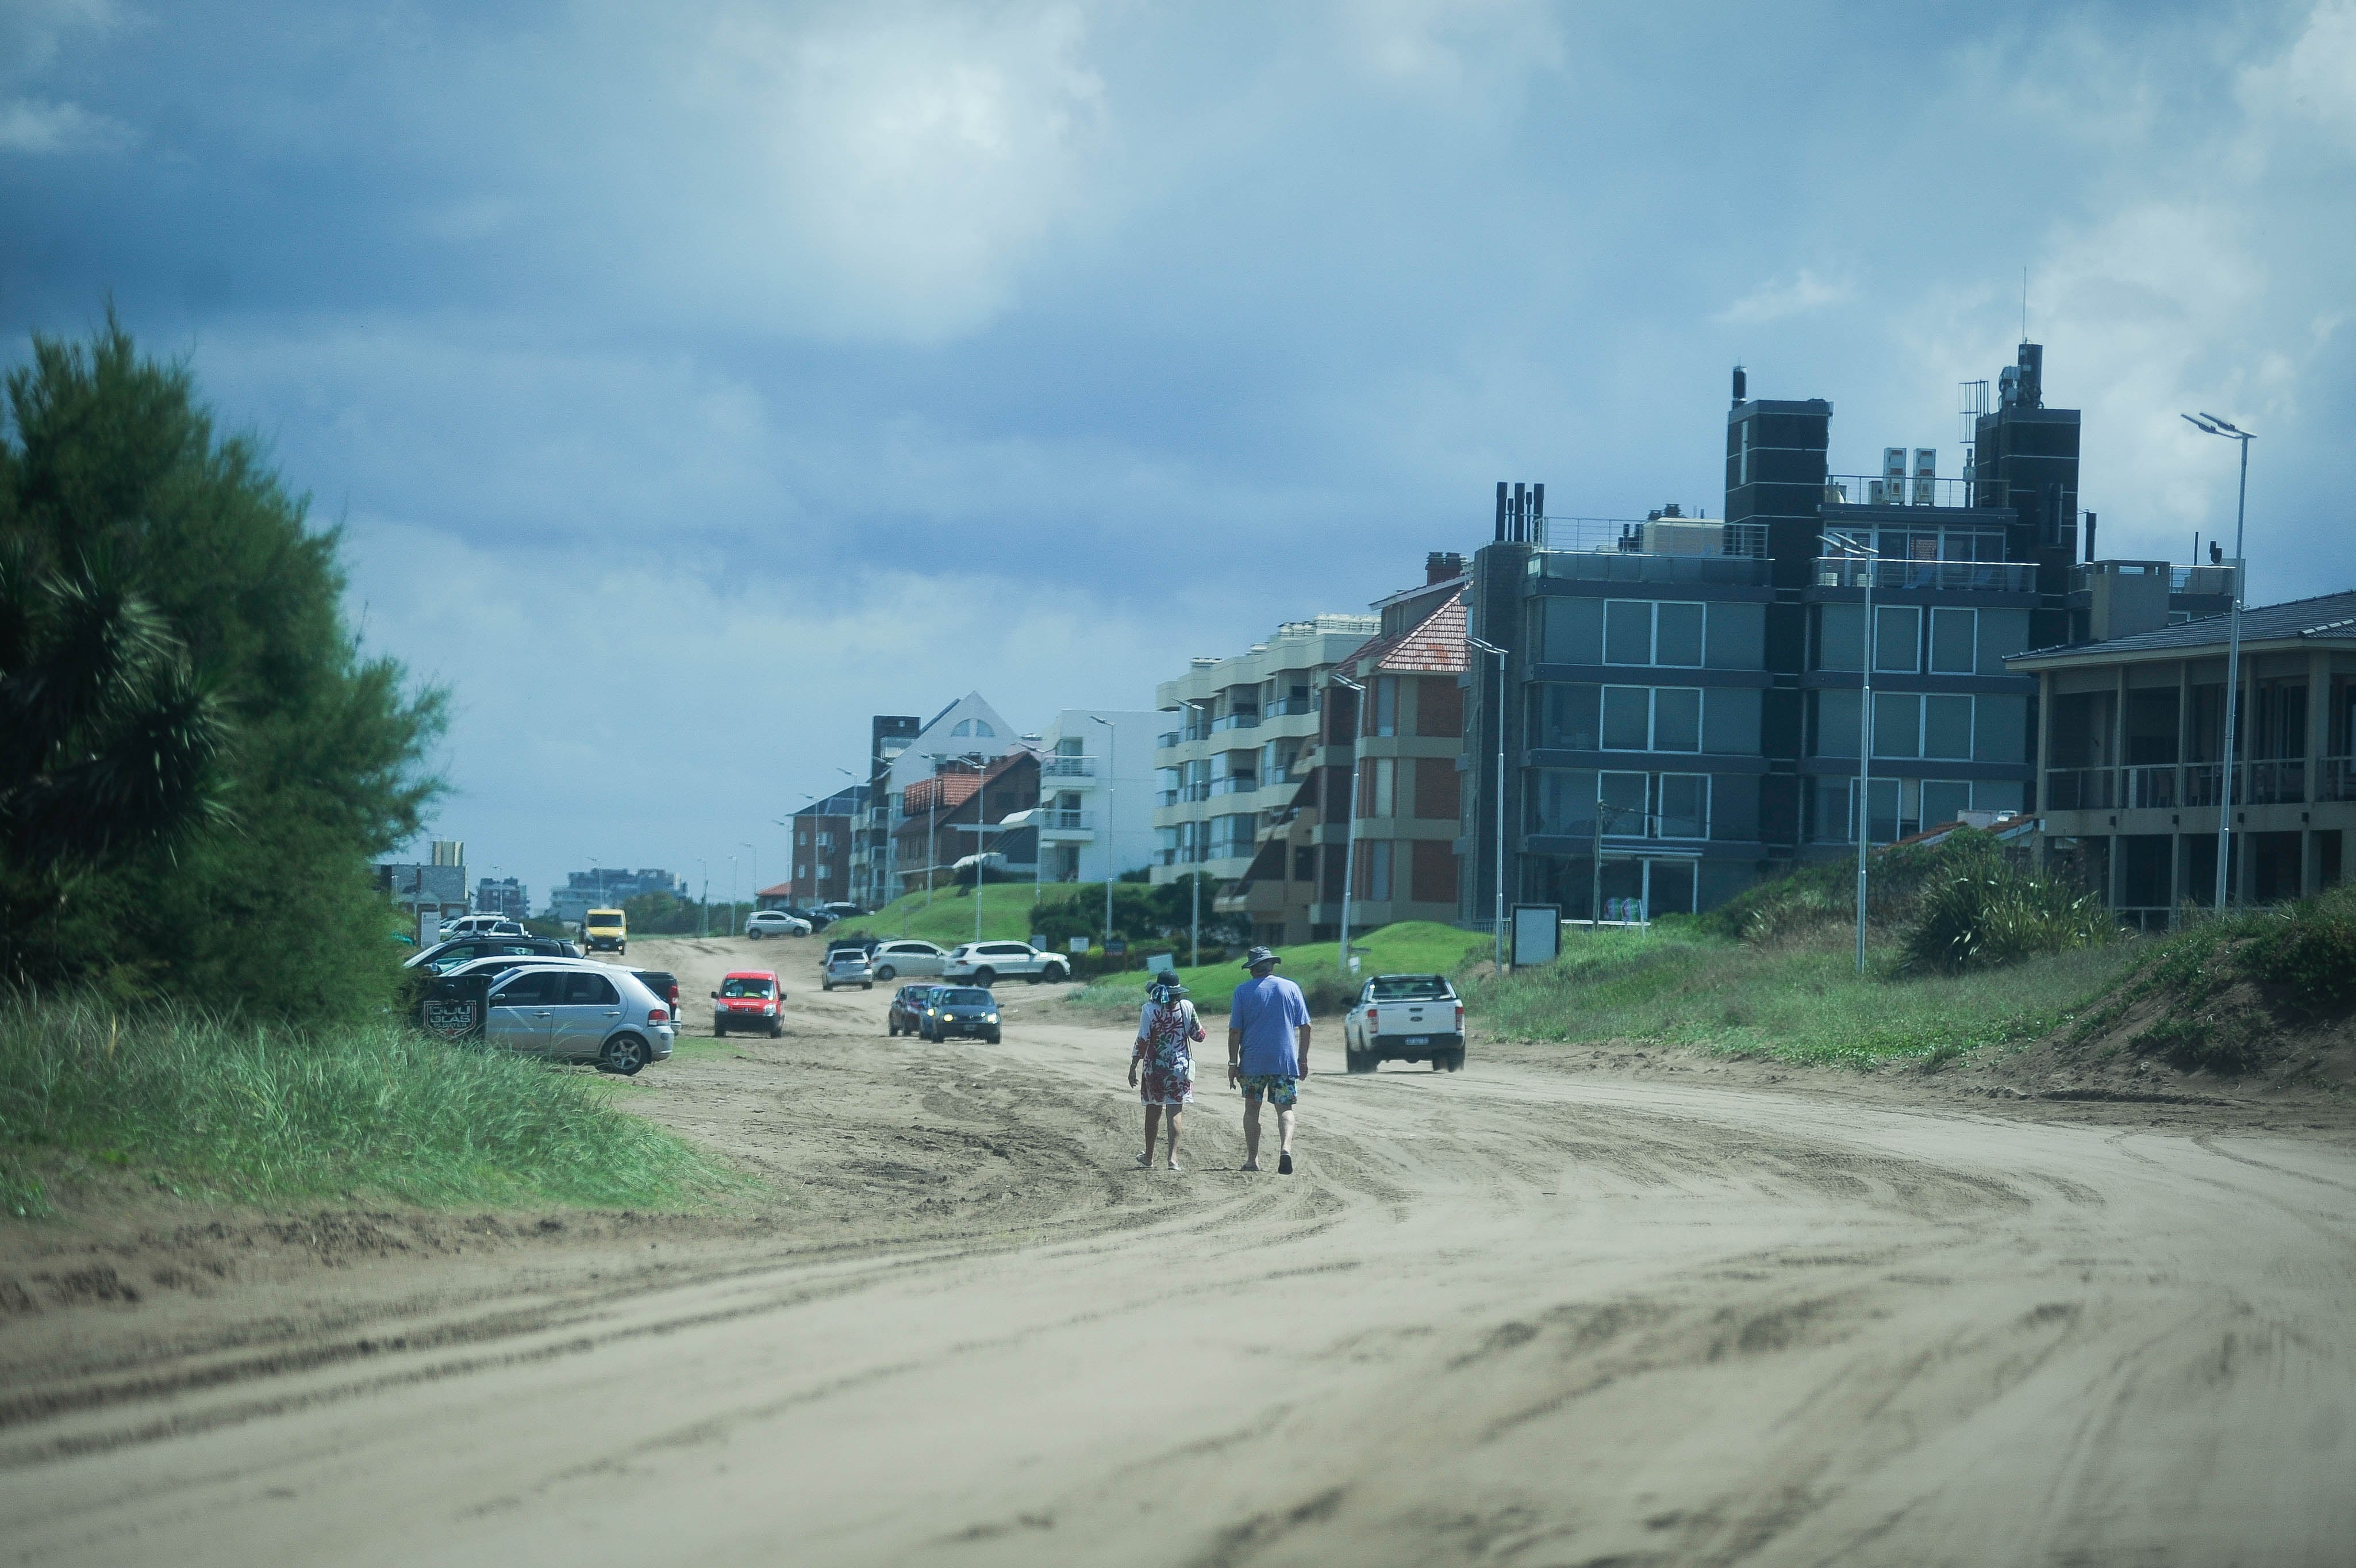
[1268,1052]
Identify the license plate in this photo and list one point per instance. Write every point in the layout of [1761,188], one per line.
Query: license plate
[1419,1039]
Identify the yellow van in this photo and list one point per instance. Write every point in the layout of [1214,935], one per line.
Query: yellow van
[605,929]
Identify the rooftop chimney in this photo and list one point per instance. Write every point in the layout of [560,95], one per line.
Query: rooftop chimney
[1501,511]
[1742,386]
[1441,565]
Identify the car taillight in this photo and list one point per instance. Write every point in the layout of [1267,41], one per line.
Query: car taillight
[1371,1017]
[1459,1017]
[657,1015]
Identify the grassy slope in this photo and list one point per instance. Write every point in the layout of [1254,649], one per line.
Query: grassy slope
[1005,913]
[1802,1001]
[249,1112]
[1410,947]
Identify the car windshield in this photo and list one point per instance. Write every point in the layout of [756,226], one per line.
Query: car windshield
[965,996]
[1409,988]
[741,987]
[850,957]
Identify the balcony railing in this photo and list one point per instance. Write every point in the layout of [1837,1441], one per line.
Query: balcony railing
[1235,721]
[1193,792]
[2277,782]
[2335,778]
[2080,788]
[2148,787]
[1951,576]
[2269,782]
[1907,489]
[2216,580]
[1167,740]
[1292,706]
[1234,784]
[1068,767]
[1165,797]
[1064,822]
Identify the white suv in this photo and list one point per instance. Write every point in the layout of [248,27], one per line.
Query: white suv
[985,963]
[895,959]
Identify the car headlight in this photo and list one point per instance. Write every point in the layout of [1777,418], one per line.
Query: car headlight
[992,1018]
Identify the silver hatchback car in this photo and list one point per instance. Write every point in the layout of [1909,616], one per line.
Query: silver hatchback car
[577,1013]
[847,966]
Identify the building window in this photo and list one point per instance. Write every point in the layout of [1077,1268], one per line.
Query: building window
[1383,717]
[1378,785]
[1642,631]
[822,870]
[1304,863]
[1569,801]
[1897,638]
[1906,725]
[826,840]
[1955,643]
[1652,718]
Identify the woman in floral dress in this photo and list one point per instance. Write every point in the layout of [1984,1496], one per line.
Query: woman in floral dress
[1166,1033]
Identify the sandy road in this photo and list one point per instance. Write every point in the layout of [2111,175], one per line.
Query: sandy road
[1515,1315]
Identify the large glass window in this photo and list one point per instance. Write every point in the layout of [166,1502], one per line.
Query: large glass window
[1836,727]
[1955,642]
[1683,806]
[1641,631]
[1897,638]
[1840,637]
[1573,631]
[1627,718]
[1730,719]
[1676,635]
[1677,718]
[1947,726]
[1628,631]
[1897,723]
[1569,801]
[1735,637]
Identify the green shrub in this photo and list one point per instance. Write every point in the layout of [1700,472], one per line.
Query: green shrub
[2315,958]
[1979,911]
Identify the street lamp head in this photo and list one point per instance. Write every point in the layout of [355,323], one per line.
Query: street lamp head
[1471,642]
[2210,425]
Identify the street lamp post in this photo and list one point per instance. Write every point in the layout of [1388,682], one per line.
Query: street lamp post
[1350,838]
[2210,425]
[732,895]
[1111,737]
[1872,560]
[1499,654]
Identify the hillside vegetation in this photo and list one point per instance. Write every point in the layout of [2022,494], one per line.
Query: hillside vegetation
[1410,947]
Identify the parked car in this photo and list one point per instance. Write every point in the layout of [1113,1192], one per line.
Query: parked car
[859,944]
[603,928]
[906,1015]
[443,957]
[483,926]
[749,999]
[847,966]
[775,923]
[965,1010]
[819,919]
[663,982]
[1404,1017]
[985,963]
[906,956]
[579,1012]
[842,909]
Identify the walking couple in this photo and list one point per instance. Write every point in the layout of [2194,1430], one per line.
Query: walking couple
[1267,1056]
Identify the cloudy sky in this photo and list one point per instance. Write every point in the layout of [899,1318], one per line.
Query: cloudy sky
[694,381]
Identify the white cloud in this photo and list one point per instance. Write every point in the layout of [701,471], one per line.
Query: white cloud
[1447,45]
[2314,80]
[31,127]
[1782,298]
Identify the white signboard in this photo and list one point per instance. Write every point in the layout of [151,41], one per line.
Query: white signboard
[1538,934]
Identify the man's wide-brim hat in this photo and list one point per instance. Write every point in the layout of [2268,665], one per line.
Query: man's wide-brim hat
[1258,956]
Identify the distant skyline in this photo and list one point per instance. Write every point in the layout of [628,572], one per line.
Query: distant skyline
[693,382]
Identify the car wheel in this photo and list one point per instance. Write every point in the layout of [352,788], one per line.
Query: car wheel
[867,985]
[985,977]
[719,1031]
[886,972]
[754,936]
[1456,1061]
[1059,974]
[625,1054]
[1356,1061]
[994,1036]
[776,1031]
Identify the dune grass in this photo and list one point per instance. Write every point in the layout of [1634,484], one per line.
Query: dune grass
[1423,946]
[244,1110]
[1800,1000]
[1005,913]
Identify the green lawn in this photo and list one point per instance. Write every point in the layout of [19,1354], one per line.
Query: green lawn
[948,921]
[1410,947]
[1803,1001]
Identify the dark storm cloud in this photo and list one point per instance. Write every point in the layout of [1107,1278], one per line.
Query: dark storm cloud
[754,368]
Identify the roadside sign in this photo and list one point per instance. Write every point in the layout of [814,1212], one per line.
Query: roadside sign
[1159,964]
[1538,934]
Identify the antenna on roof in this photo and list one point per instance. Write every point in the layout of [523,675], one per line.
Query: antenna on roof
[2024,305]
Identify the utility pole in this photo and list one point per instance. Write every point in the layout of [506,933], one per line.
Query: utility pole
[1859,554]
[756,883]
[1499,653]
[703,903]
[1350,839]
[2210,425]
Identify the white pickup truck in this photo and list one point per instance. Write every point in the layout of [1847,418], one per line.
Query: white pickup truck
[1404,1017]
[985,963]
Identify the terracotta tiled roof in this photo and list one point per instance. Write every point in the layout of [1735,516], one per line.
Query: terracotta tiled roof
[942,789]
[1433,646]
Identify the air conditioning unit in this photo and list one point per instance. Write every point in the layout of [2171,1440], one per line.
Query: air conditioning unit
[1684,536]
[1926,476]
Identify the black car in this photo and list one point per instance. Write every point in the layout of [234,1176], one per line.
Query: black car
[663,983]
[820,919]
[442,957]
[907,1015]
[962,1010]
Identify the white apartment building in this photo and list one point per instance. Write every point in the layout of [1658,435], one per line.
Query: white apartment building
[1095,794]
[969,729]
[1247,734]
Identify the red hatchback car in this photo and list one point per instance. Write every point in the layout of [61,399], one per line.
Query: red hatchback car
[749,999]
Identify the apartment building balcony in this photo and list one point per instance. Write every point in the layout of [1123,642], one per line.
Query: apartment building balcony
[2267,781]
[1064,827]
[1247,719]
[1067,768]
[1234,784]
[1944,576]
[1654,550]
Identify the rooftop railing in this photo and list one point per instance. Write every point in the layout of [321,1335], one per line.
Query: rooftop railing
[1954,577]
